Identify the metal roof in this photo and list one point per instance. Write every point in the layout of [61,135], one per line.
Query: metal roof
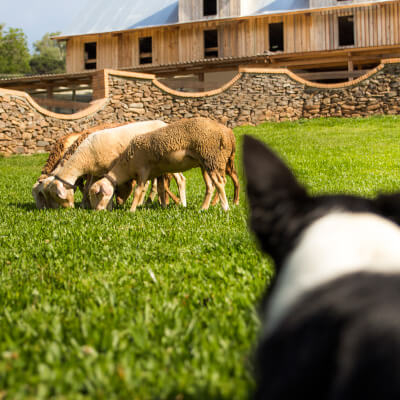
[102,16]
[118,15]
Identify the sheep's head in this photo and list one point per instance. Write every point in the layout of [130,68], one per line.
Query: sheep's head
[101,194]
[58,195]
[37,193]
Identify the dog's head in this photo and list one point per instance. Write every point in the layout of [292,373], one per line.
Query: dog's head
[281,209]
[315,239]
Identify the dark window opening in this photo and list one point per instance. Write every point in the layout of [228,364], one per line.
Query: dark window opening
[276,36]
[209,7]
[146,50]
[346,30]
[90,55]
[90,65]
[211,44]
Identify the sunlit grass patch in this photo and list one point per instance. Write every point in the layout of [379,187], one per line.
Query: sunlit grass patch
[159,304]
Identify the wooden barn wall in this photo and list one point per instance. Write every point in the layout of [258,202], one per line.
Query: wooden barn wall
[192,10]
[227,8]
[374,26]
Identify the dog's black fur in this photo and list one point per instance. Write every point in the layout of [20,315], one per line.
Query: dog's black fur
[342,340]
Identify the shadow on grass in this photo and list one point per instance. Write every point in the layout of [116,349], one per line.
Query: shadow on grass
[24,206]
[201,395]
[32,206]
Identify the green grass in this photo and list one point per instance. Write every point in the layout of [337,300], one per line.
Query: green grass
[159,304]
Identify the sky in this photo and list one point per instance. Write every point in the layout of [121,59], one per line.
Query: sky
[37,17]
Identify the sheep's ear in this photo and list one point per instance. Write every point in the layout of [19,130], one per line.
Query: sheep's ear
[266,174]
[61,192]
[95,189]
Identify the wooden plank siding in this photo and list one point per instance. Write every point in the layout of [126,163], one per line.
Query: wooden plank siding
[374,26]
[192,10]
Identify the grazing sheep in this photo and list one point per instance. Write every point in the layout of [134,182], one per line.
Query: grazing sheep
[189,143]
[94,156]
[62,150]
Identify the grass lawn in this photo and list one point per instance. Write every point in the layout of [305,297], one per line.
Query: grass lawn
[159,304]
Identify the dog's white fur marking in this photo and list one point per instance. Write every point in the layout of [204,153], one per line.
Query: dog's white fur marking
[337,244]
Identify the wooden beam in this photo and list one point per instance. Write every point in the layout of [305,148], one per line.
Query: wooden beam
[49,91]
[350,67]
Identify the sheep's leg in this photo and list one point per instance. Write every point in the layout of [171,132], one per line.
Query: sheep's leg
[235,179]
[124,191]
[162,197]
[163,190]
[234,176]
[85,192]
[143,195]
[209,190]
[141,183]
[219,181]
[168,194]
[215,199]
[181,182]
[153,192]
[172,195]
[167,183]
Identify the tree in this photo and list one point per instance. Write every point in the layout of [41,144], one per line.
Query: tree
[14,53]
[49,56]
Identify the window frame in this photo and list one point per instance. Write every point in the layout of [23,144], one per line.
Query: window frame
[145,57]
[205,7]
[211,49]
[89,63]
[340,31]
[271,44]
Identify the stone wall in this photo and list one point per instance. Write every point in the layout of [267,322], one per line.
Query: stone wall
[252,97]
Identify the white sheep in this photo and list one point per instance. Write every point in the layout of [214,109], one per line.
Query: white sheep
[63,148]
[189,143]
[93,157]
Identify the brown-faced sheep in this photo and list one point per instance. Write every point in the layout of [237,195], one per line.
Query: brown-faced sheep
[189,143]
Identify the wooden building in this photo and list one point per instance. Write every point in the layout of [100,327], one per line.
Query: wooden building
[321,40]
[198,45]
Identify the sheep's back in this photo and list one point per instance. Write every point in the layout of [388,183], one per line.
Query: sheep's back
[207,138]
[98,150]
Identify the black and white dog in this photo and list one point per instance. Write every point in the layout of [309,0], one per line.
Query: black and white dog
[331,319]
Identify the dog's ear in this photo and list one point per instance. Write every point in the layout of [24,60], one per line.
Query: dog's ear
[266,174]
[388,205]
[277,200]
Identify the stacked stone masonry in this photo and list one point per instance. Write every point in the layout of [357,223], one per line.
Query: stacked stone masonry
[252,98]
